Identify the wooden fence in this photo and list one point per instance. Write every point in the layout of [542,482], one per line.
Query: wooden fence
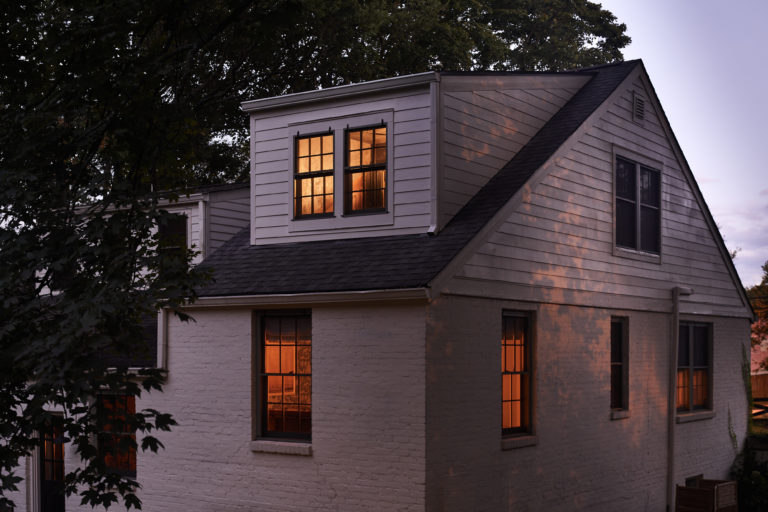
[759,395]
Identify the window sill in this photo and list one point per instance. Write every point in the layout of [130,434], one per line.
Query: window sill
[620,414]
[513,443]
[687,417]
[281,447]
[634,254]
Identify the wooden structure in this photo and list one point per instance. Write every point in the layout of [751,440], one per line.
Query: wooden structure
[707,496]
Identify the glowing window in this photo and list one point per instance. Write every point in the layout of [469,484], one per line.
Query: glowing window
[693,368]
[286,375]
[515,374]
[365,175]
[117,438]
[313,176]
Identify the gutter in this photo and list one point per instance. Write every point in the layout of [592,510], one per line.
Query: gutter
[312,298]
[677,292]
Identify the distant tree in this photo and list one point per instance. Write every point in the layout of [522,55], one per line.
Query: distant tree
[105,104]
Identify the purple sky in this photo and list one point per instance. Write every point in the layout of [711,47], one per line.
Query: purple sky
[708,61]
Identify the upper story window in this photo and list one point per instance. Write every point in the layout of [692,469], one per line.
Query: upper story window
[313,176]
[172,243]
[365,170]
[638,206]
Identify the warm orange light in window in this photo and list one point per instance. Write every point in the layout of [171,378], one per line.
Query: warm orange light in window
[313,180]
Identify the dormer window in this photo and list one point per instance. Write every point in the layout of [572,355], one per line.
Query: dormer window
[313,176]
[365,171]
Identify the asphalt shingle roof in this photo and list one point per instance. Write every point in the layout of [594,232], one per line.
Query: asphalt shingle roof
[405,261]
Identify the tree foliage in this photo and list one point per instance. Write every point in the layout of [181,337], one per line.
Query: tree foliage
[105,104]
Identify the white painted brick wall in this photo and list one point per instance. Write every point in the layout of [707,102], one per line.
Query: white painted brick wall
[368,418]
[583,460]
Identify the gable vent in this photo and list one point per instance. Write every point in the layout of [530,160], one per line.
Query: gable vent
[638,107]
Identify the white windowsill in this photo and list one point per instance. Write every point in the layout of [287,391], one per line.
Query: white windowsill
[687,417]
[281,447]
[512,443]
[620,414]
[634,254]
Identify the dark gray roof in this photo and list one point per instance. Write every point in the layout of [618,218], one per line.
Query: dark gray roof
[406,261]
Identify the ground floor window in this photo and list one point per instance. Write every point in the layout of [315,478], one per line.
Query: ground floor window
[516,373]
[694,371]
[285,377]
[117,438]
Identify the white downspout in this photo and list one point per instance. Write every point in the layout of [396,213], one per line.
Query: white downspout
[677,292]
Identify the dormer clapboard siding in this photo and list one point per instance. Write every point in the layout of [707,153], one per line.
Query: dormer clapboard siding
[447,134]
[405,113]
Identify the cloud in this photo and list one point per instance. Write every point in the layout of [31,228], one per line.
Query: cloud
[764,192]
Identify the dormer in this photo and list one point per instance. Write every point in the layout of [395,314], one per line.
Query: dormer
[389,157]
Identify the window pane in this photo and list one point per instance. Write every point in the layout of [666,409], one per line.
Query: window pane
[506,387]
[683,392]
[700,346]
[516,387]
[271,330]
[303,147]
[275,417]
[381,136]
[304,359]
[328,144]
[649,229]
[625,179]
[272,359]
[649,187]
[683,357]
[367,138]
[314,146]
[354,140]
[275,389]
[303,164]
[617,385]
[288,330]
[506,415]
[287,359]
[700,389]
[305,390]
[327,162]
[315,163]
[510,358]
[617,333]
[625,224]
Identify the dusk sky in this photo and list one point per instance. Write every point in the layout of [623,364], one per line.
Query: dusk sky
[708,61]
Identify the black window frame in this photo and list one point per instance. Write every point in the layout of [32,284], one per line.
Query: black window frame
[350,171]
[619,361]
[694,343]
[526,374]
[629,233]
[263,401]
[299,177]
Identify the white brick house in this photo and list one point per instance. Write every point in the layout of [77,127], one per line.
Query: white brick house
[493,291]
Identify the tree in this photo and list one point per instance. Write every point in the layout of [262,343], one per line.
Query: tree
[104,105]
